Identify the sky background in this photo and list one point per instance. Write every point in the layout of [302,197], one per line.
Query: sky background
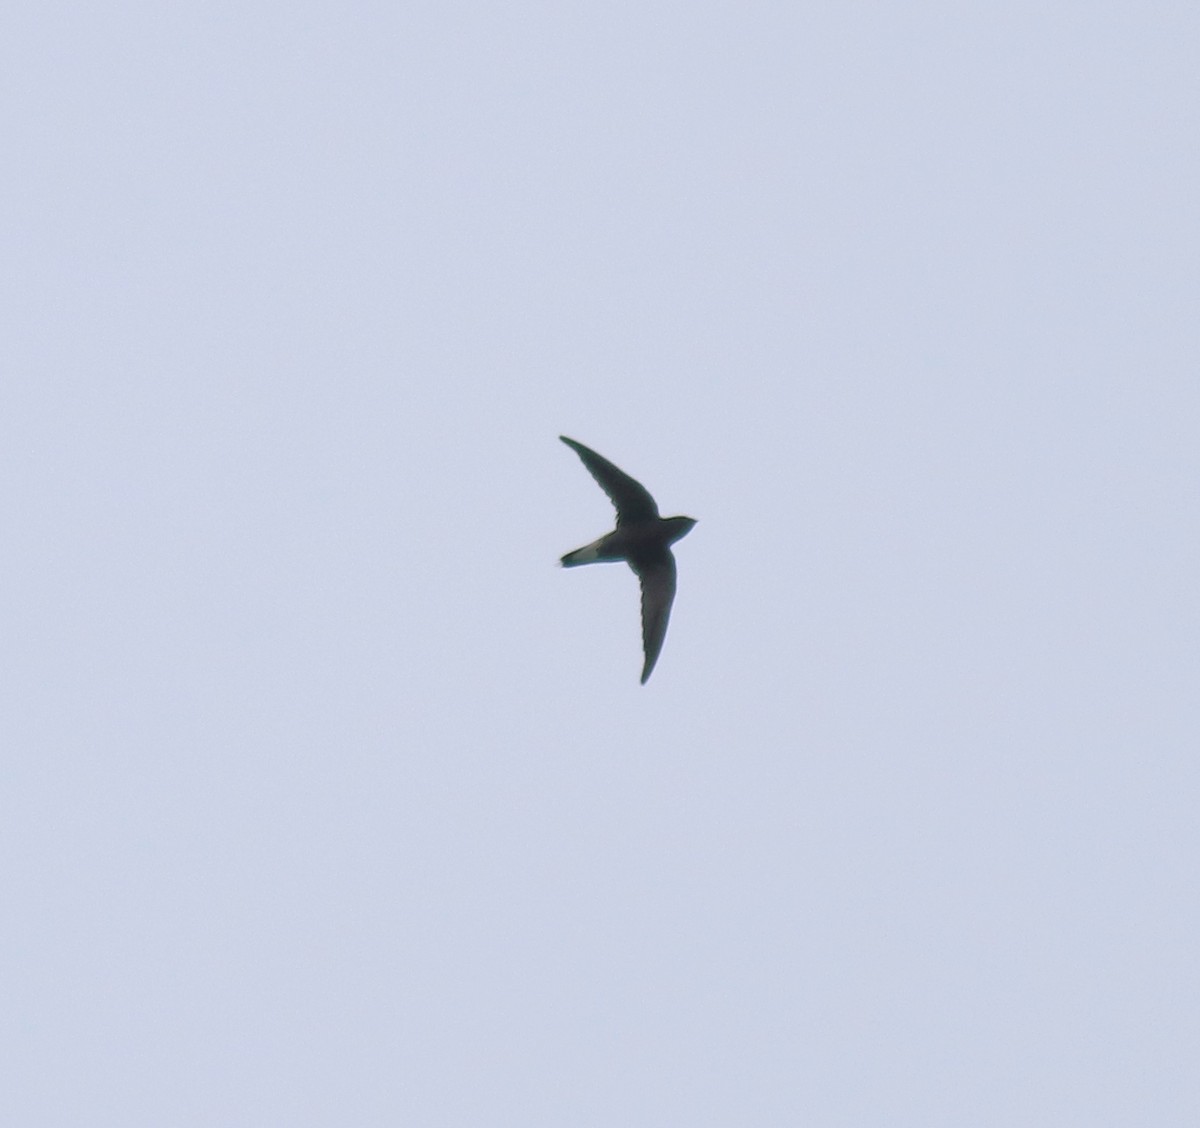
[327,799]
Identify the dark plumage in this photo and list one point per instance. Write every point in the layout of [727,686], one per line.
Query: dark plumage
[642,539]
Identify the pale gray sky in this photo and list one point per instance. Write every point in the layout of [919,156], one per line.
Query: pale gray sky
[328,800]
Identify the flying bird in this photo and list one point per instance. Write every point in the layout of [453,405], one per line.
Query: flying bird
[642,539]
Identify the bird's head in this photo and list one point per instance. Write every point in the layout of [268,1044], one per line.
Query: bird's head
[680,526]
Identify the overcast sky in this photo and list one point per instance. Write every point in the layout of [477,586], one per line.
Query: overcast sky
[328,799]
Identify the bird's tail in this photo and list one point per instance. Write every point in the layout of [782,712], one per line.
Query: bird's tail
[589,554]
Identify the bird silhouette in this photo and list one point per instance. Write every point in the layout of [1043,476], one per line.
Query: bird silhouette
[642,539]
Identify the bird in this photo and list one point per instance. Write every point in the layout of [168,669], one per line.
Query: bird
[642,539]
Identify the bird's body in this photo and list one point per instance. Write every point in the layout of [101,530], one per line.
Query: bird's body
[641,543]
[642,539]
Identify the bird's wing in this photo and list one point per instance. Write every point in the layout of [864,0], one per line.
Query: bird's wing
[632,499]
[658,593]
